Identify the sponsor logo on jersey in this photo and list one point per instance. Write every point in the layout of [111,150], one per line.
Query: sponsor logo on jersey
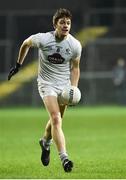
[56,58]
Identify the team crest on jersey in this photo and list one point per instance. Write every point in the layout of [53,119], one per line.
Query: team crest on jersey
[67,51]
[56,58]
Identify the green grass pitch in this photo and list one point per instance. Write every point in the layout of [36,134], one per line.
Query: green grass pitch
[95,136]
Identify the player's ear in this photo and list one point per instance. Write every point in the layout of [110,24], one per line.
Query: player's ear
[54,25]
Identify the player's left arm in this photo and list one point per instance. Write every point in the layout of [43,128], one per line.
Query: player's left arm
[75,71]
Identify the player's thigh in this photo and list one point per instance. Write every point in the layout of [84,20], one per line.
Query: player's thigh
[51,105]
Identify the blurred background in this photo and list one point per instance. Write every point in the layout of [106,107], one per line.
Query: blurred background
[98,24]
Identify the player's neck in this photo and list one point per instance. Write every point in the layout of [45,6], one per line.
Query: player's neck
[59,37]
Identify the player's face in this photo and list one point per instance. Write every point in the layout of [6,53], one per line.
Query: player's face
[63,27]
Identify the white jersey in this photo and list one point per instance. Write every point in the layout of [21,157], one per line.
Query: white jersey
[55,57]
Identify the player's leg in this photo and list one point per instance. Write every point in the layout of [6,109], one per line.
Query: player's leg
[62,110]
[45,143]
[53,128]
[46,140]
[47,133]
[67,164]
[55,111]
[52,107]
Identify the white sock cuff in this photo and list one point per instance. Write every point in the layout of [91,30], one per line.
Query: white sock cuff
[63,156]
[47,142]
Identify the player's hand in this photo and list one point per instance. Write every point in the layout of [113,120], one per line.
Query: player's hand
[14,70]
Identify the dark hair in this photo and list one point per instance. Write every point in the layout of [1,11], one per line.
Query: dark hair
[60,13]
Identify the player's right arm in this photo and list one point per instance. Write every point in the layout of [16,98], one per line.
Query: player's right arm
[24,50]
[21,56]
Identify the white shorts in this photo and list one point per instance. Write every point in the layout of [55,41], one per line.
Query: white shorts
[51,90]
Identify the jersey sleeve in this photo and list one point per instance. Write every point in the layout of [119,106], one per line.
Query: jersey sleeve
[37,39]
[77,50]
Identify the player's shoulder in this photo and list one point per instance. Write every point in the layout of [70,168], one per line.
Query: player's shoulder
[47,34]
[73,39]
[44,37]
[74,42]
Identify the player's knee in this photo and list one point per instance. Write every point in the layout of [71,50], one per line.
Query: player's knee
[56,119]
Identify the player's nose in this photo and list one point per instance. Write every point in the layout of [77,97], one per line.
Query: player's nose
[65,26]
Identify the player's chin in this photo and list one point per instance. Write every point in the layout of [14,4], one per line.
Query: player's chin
[65,34]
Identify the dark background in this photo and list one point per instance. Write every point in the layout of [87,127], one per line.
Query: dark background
[20,19]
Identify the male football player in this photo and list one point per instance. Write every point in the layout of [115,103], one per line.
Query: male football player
[59,58]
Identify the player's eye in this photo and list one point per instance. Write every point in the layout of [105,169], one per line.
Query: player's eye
[62,22]
[68,23]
